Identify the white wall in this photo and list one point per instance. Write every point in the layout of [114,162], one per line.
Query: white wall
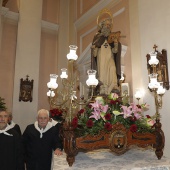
[154,26]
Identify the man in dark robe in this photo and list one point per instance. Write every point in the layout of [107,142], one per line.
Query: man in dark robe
[11,157]
[39,140]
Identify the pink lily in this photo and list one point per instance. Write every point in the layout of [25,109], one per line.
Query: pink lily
[95,105]
[96,115]
[104,108]
[127,112]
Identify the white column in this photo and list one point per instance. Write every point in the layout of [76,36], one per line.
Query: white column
[27,59]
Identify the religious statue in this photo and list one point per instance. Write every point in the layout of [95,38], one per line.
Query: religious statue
[106,53]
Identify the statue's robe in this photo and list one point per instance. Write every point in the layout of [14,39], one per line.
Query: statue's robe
[107,63]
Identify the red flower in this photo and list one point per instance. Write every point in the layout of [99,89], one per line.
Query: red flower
[56,113]
[148,116]
[108,116]
[81,111]
[75,122]
[108,126]
[89,123]
[133,128]
[89,106]
[139,106]
[53,114]
[114,102]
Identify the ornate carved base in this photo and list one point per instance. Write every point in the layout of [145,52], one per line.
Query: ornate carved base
[118,140]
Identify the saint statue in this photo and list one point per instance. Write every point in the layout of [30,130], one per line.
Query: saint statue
[106,53]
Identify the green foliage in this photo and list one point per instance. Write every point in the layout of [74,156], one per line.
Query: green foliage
[2,104]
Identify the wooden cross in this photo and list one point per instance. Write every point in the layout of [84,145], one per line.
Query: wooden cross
[27,76]
[155,47]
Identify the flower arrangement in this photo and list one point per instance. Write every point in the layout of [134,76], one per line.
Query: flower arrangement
[57,114]
[104,113]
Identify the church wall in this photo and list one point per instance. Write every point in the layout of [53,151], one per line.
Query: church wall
[7,57]
[47,66]
[50,11]
[13,5]
[149,25]
[84,5]
[48,51]
[154,20]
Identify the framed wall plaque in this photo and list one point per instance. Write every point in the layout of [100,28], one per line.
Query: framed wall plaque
[26,90]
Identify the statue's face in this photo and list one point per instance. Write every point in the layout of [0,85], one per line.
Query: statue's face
[106,28]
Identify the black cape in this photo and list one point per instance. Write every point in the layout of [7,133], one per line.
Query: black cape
[11,151]
[17,129]
[38,151]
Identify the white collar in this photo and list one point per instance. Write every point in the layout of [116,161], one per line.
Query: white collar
[4,131]
[12,124]
[49,125]
[54,122]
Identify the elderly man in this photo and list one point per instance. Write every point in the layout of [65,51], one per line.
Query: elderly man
[11,156]
[39,140]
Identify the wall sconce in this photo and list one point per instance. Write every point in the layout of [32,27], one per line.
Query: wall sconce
[157,64]
[158,71]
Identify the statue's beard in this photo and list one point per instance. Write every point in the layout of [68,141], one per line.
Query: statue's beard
[105,31]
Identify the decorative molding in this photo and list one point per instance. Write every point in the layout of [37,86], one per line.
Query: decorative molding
[119,12]
[48,26]
[9,14]
[92,13]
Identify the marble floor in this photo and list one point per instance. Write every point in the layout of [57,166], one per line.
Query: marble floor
[103,159]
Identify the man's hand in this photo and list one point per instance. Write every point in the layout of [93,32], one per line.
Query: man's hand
[58,152]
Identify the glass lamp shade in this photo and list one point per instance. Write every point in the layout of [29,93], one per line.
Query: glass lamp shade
[53,82]
[72,55]
[138,94]
[64,73]
[92,81]
[50,93]
[153,81]
[160,90]
[153,59]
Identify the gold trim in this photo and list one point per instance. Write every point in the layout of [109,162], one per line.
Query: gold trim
[102,12]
